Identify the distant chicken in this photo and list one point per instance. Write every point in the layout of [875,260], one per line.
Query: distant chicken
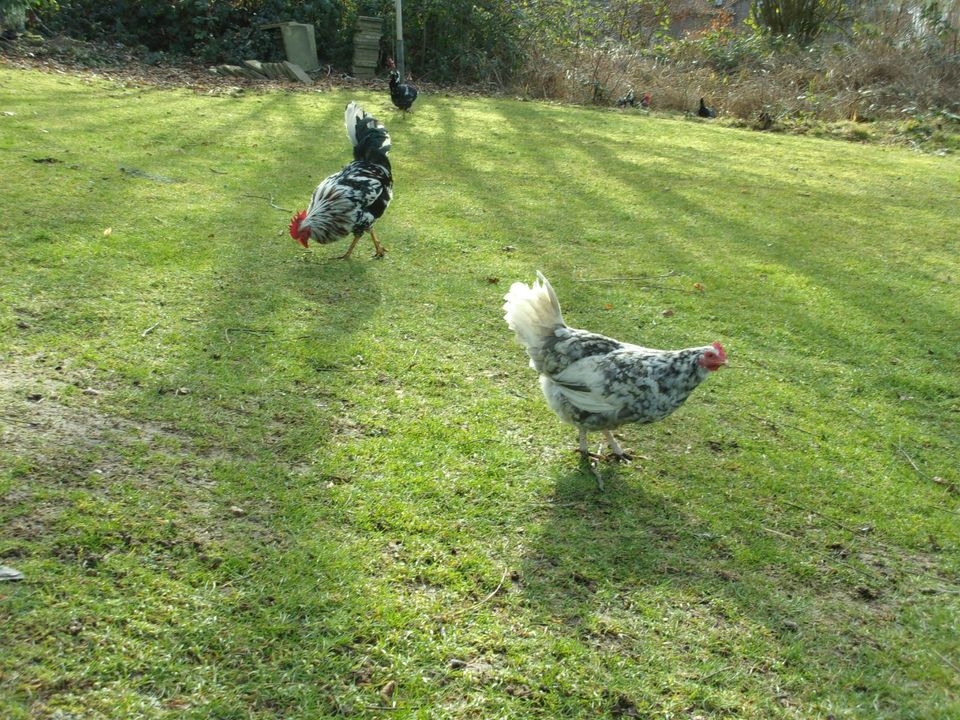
[352,199]
[628,99]
[402,94]
[594,382]
[706,112]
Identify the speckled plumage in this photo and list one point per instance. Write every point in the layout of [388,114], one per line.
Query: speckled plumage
[351,200]
[594,382]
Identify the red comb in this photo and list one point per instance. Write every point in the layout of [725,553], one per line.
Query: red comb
[295,227]
[720,351]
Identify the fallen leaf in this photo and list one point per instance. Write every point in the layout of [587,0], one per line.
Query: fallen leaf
[699,286]
[667,313]
[237,511]
[608,306]
[493,280]
[108,232]
[386,692]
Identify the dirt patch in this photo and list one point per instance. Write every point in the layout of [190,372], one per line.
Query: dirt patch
[60,440]
[35,417]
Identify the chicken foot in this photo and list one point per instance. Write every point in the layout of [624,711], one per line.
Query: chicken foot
[381,250]
[618,453]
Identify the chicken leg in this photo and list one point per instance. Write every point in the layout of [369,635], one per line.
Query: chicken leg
[353,244]
[381,250]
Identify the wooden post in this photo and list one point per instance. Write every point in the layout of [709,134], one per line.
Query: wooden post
[400,66]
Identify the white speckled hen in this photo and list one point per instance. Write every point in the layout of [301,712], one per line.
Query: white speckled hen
[597,383]
[352,199]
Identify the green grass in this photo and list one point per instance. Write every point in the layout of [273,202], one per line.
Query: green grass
[243,481]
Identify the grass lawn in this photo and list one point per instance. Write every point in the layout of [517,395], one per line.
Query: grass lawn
[244,481]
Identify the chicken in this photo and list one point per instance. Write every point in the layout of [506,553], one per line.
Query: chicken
[594,382]
[631,99]
[402,94]
[628,99]
[352,199]
[706,112]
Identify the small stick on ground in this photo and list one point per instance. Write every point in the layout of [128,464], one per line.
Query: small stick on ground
[774,424]
[269,200]
[150,329]
[777,532]
[485,600]
[839,524]
[903,452]
[947,660]
[227,331]
[633,278]
[18,421]
[217,172]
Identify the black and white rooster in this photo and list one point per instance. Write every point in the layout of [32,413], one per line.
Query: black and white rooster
[352,199]
[402,94]
[594,382]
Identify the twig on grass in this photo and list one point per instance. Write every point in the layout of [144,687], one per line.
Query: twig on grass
[854,531]
[485,600]
[903,452]
[269,200]
[18,421]
[217,172]
[631,278]
[252,331]
[777,532]
[947,660]
[773,424]
[150,329]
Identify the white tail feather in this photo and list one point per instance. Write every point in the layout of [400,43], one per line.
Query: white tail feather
[350,120]
[533,313]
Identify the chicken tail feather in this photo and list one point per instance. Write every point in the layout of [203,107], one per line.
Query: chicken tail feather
[533,313]
[370,139]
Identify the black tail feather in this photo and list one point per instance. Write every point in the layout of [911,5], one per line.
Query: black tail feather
[370,139]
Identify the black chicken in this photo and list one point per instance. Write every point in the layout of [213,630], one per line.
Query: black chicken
[402,94]
[706,112]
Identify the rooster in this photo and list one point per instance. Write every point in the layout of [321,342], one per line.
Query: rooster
[594,382]
[402,94]
[352,199]
[704,111]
